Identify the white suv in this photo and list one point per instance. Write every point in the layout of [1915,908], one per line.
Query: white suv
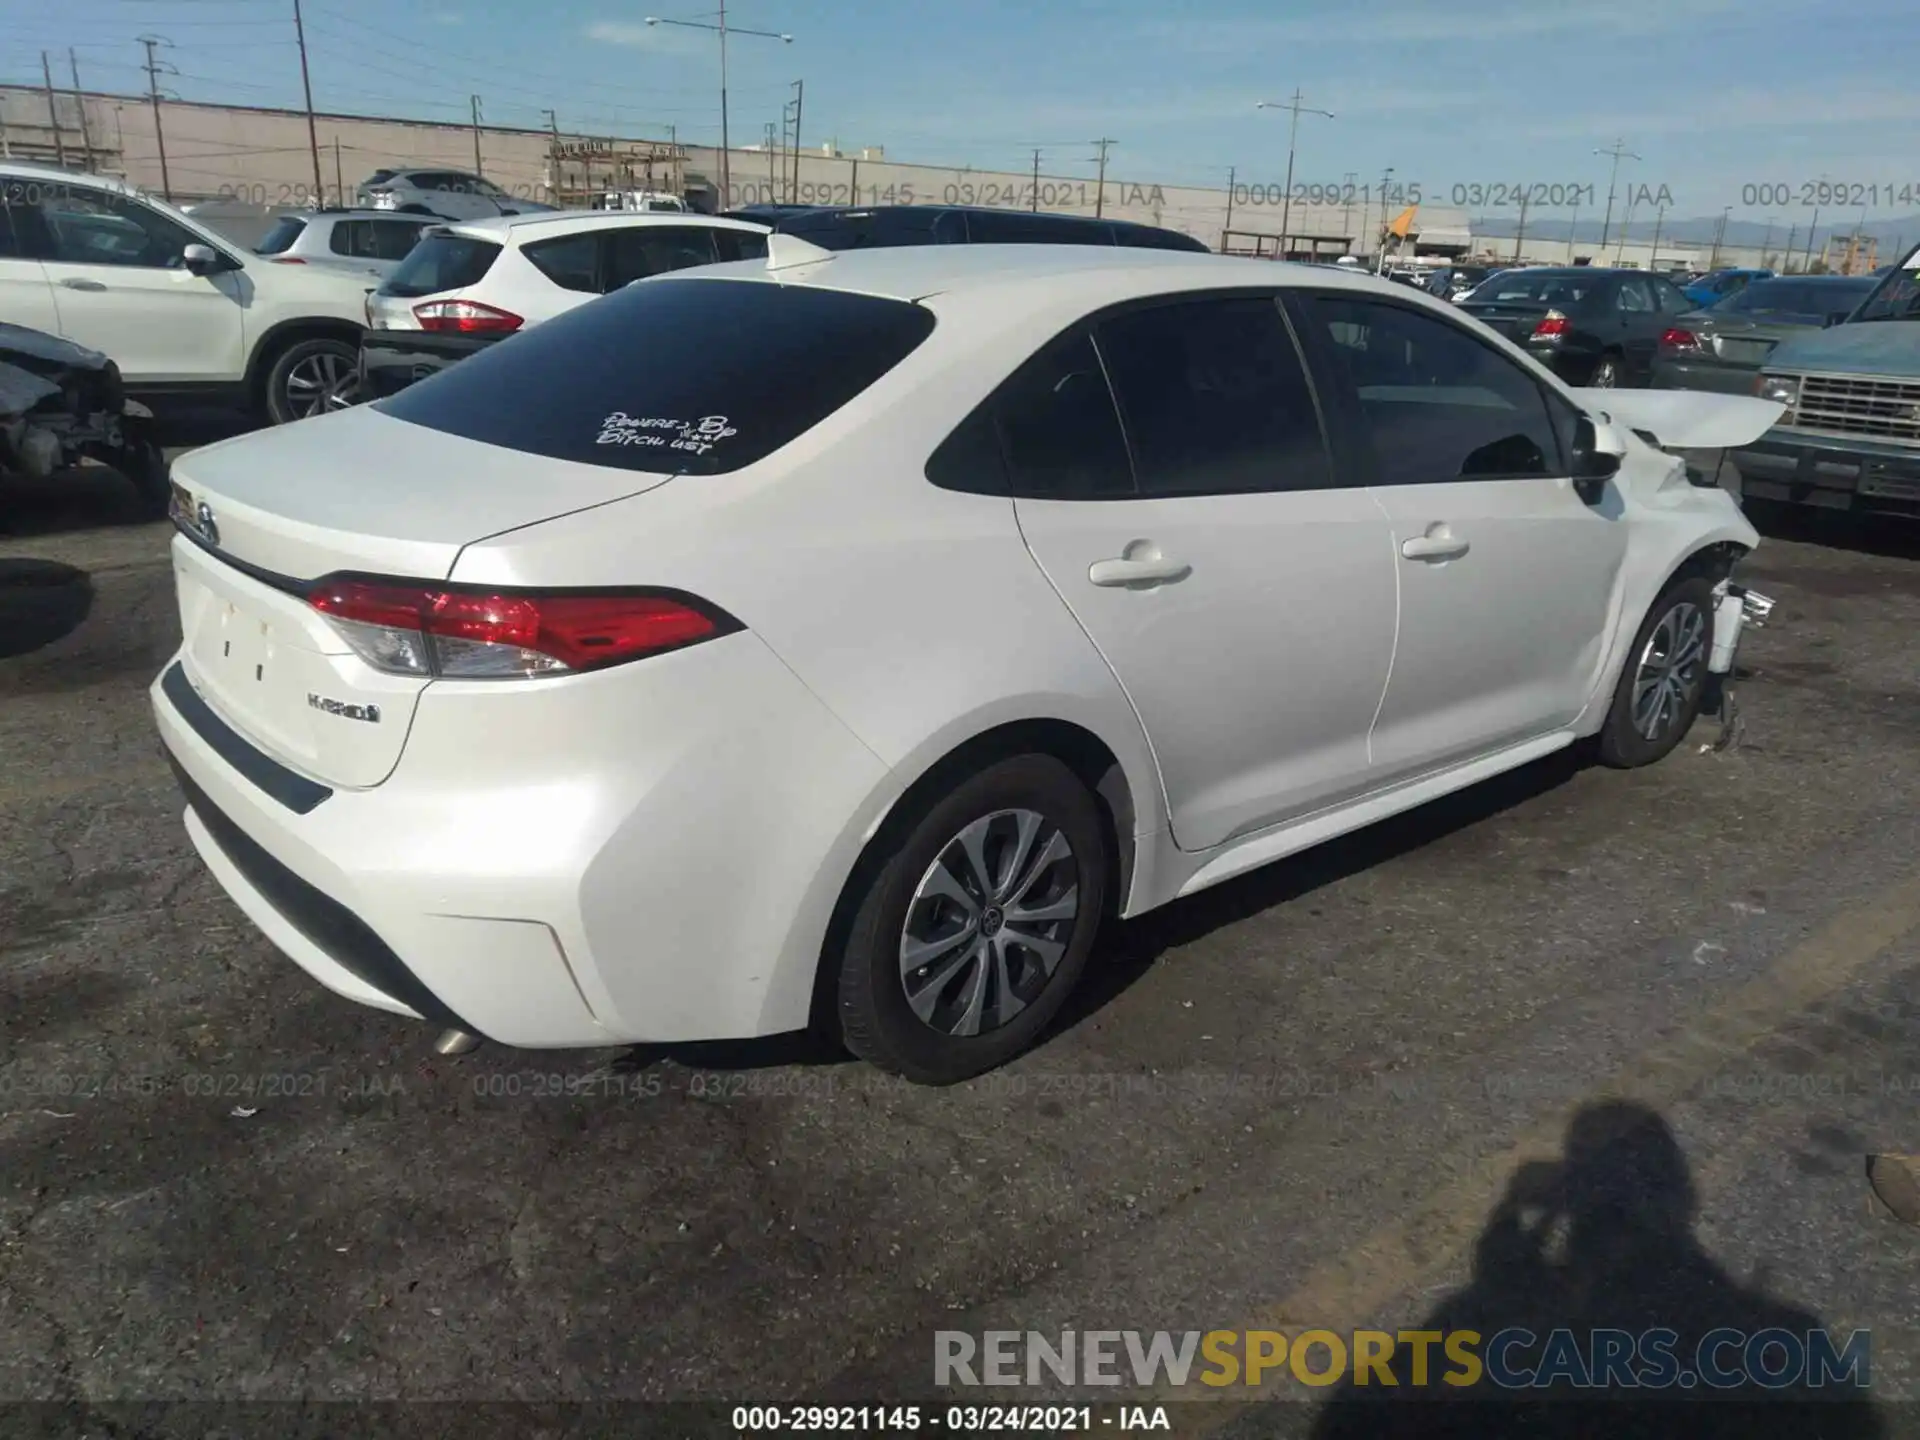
[450,194]
[467,286]
[184,313]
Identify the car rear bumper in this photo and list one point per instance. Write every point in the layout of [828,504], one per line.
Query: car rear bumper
[1690,375]
[1830,472]
[646,853]
[391,360]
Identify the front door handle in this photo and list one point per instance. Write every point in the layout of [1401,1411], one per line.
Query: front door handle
[1439,543]
[74,282]
[1141,565]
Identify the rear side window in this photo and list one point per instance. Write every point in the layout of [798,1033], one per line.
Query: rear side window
[865,229]
[1146,237]
[597,386]
[280,238]
[351,237]
[442,262]
[647,250]
[570,261]
[740,244]
[1215,398]
[379,177]
[395,239]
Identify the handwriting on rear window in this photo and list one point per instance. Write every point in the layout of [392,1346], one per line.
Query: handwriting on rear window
[698,436]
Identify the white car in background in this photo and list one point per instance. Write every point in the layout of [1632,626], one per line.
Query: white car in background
[465,287]
[365,243]
[842,638]
[186,314]
[449,194]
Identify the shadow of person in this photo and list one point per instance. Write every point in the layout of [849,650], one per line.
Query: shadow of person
[1602,1240]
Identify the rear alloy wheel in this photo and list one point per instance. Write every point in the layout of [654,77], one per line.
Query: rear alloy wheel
[972,934]
[1606,374]
[1665,680]
[313,377]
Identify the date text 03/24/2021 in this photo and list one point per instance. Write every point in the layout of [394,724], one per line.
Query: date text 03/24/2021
[950,1419]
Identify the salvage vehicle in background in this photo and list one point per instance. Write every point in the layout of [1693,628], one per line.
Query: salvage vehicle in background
[449,194]
[1454,282]
[368,243]
[1590,326]
[1850,438]
[185,314]
[63,405]
[1723,348]
[1711,288]
[842,638]
[466,287]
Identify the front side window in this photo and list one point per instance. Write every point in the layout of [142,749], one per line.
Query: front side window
[739,244]
[644,250]
[98,228]
[351,238]
[394,239]
[1435,403]
[442,261]
[280,238]
[597,386]
[1634,298]
[1215,398]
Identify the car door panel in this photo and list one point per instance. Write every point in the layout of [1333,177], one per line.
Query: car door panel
[1245,603]
[1506,576]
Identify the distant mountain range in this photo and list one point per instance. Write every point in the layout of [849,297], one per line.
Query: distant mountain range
[1896,236]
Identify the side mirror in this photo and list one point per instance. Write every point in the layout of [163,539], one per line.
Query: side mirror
[1594,461]
[204,259]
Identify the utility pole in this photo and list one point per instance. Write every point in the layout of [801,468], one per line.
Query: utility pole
[1659,218]
[80,103]
[474,101]
[1035,206]
[1619,152]
[152,68]
[1520,234]
[1294,107]
[306,84]
[1786,259]
[553,156]
[1346,220]
[339,180]
[1719,234]
[1812,230]
[1766,245]
[1100,191]
[1626,228]
[1233,175]
[1380,259]
[1573,229]
[53,114]
[772,178]
[799,106]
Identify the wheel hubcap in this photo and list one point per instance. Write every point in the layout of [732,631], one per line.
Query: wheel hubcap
[988,923]
[1603,377]
[1672,664]
[321,383]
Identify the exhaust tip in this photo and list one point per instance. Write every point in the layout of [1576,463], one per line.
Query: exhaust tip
[455,1042]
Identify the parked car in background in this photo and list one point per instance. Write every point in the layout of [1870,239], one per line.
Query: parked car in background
[1589,325]
[946,602]
[1450,282]
[449,194]
[1723,348]
[644,201]
[61,405]
[465,287]
[891,225]
[1850,438]
[184,313]
[361,242]
[1714,286]
[768,215]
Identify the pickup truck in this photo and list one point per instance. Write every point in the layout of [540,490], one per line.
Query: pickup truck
[1850,437]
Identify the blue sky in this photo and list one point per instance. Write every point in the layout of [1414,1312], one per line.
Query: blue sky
[1714,95]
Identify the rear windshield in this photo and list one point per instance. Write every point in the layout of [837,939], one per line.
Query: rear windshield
[1537,287]
[1797,297]
[597,385]
[441,262]
[280,238]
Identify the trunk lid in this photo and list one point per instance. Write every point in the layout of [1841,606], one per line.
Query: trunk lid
[1514,319]
[356,491]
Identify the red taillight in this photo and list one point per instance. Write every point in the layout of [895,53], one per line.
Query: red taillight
[1679,339]
[288,260]
[425,630]
[465,317]
[1551,324]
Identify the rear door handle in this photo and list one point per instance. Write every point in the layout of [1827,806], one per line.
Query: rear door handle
[1439,543]
[1141,570]
[74,282]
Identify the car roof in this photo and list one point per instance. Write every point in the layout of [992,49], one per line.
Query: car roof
[915,272]
[36,169]
[363,213]
[515,229]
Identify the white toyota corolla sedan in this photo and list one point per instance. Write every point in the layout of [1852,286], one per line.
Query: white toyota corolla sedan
[839,639]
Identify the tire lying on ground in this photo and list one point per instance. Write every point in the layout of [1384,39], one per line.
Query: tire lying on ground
[40,601]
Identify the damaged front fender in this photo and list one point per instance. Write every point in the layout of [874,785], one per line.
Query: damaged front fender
[1685,419]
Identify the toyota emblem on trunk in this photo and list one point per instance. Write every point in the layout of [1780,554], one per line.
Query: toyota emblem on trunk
[203,523]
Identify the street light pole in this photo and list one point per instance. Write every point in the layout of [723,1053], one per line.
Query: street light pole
[724,30]
[1294,107]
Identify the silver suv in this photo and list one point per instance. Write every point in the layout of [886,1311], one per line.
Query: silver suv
[361,242]
[451,194]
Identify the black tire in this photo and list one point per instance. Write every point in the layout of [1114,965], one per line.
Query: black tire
[877,1021]
[1608,373]
[285,403]
[1623,743]
[144,464]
